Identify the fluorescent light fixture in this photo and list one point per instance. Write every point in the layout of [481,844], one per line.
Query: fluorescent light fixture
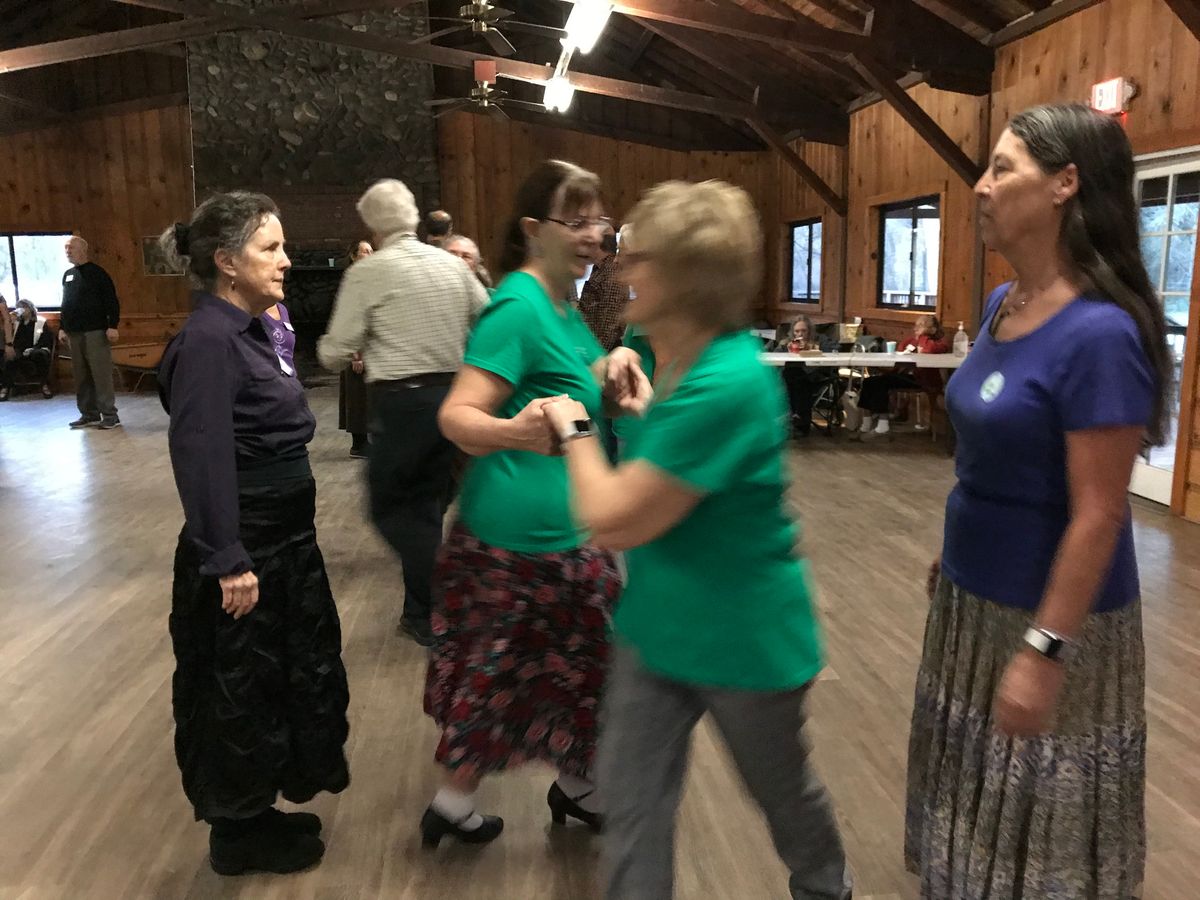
[559,94]
[586,23]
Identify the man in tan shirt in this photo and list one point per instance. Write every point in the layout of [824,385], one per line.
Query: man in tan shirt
[407,309]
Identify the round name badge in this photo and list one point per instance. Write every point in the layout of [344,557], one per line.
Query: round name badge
[991,387]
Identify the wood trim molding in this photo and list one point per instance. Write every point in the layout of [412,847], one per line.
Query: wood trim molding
[1185,446]
[872,309]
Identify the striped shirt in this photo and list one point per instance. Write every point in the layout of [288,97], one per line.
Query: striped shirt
[407,308]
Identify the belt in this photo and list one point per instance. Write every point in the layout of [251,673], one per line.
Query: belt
[428,379]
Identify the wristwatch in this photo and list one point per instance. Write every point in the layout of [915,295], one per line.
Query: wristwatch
[580,428]
[1050,644]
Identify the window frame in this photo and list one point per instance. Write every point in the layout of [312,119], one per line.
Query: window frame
[7,245]
[808,223]
[881,213]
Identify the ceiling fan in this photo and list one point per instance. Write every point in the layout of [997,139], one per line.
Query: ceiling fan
[481,18]
[483,96]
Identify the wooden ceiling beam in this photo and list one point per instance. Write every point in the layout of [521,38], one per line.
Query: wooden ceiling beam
[236,17]
[920,41]
[945,147]
[105,44]
[776,102]
[1188,12]
[835,201]
[852,19]
[1039,20]
[737,23]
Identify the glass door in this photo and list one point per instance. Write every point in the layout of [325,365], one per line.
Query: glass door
[1168,191]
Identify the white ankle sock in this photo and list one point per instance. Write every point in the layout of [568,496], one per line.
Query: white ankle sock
[868,424]
[883,426]
[581,791]
[458,808]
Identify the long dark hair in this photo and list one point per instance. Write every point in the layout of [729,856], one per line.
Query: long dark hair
[1100,228]
[536,199]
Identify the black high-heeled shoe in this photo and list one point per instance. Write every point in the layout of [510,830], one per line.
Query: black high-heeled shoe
[435,826]
[562,806]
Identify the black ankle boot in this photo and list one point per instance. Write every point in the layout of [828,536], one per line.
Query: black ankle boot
[292,822]
[562,806]
[262,849]
[435,826]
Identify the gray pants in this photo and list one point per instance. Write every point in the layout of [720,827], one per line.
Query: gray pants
[643,753]
[91,364]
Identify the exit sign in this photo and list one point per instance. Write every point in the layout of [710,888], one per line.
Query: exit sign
[1110,97]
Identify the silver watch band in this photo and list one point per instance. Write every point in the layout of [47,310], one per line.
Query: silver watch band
[1050,644]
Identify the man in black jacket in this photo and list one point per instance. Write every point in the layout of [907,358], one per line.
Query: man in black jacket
[90,312]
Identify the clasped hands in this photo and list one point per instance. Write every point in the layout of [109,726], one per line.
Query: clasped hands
[537,427]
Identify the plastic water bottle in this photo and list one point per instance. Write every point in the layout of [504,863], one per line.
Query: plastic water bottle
[962,343]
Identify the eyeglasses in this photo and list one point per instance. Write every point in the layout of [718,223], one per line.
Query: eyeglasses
[581,223]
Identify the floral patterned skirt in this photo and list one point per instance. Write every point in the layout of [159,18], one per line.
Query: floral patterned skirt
[1055,817]
[520,654]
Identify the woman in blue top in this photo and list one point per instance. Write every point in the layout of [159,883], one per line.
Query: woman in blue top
[1026,767]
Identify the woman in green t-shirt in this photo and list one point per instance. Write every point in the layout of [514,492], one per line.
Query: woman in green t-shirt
[522,601]
[717,613]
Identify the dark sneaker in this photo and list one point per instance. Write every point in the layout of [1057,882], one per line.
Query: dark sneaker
[86,422]
[418,631]
[107,423]
[265,850]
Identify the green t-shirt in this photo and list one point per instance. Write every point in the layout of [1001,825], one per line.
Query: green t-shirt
[722,599]
[513,498]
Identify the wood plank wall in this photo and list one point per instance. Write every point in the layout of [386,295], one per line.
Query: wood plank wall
[484,160]
[889,162]
[114,180]
[1142,40]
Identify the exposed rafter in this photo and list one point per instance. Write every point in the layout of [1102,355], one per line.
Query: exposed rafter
[945,147]
[836,202]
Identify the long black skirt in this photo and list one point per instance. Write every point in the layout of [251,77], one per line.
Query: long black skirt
[260,702]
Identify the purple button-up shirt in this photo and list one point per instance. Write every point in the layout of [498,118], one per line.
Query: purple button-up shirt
[232,406]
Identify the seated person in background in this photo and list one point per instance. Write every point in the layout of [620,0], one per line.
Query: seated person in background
[802,383]
[32,342]
[927,337]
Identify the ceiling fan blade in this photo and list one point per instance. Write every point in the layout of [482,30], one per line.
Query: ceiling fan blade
[434,35]
[464,104]
[498,12]
[531,28]
[496,112]
[499,42]
[444,101]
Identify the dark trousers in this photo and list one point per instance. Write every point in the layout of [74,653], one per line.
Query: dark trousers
[803,385]
[92,366]
[410,480]
[37,362]
[876,390]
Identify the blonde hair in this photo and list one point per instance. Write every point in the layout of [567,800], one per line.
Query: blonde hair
[705,240]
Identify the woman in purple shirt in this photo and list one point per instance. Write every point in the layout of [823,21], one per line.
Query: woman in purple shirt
[259,692]
[1026,768]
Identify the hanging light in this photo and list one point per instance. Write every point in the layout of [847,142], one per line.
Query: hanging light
[559,90]
[559,94]
[586,23]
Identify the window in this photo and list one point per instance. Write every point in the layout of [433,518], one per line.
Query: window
[31,268]
[806,261]
[1168,210]
[910,244]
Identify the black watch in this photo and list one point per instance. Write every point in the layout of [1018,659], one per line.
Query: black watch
[580,428]
[1050,644]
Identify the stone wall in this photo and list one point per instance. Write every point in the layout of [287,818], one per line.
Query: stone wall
[312,124]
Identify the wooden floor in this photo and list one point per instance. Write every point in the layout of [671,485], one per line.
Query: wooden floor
[90,803]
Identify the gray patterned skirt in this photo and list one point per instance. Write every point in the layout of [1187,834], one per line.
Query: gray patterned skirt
[1056,817]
